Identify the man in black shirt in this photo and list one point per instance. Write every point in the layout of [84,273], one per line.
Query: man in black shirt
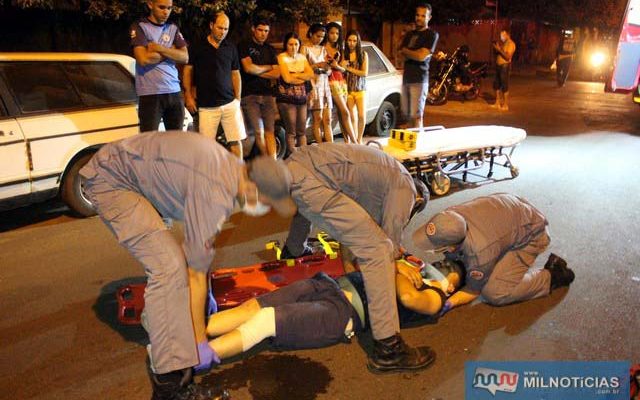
[213,85]
[417,47]
[259,68]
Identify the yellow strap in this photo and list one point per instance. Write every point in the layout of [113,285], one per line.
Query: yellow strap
[326,246]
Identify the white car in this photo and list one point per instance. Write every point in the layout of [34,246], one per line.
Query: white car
[56,110]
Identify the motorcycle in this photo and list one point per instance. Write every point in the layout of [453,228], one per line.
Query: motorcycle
[455,75]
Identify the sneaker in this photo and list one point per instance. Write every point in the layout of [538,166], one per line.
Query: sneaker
[286,254]
[393,355]
[179,385]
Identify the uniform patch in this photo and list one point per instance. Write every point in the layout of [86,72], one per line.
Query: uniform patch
[431,229]
[133,34]
[165,38]
[475,274]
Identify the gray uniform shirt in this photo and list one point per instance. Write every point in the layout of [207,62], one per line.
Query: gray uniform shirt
[496,224]
[185,176]
[364,173]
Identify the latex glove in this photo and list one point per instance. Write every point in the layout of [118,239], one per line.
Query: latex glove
[212,305]
[207,356]
[409,272]
[445,308]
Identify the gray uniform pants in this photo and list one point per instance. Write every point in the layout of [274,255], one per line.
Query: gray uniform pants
[513,279]
[352,225]
[139,228]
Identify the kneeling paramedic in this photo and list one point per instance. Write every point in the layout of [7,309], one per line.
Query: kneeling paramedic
[497,238]
[184,176]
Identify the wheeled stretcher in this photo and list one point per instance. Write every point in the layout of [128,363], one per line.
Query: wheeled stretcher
[440,153]
[233,286]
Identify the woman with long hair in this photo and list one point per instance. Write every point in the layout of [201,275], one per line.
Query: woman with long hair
[291,95]
[355,64]
[320,102]
[333,43]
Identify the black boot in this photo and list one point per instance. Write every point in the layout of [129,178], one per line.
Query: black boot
[179,385]
[393,355]
[555,261]
[286,254]
[561,275]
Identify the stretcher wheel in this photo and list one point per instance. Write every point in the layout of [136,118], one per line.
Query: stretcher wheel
[440,183]
[514,171]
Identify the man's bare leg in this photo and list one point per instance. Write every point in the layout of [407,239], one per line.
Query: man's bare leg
[270,144]
[226,321]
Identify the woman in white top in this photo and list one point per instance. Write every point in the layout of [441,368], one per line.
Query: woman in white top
[320,102]
[291,95]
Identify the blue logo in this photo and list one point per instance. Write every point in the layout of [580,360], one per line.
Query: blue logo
[549,380]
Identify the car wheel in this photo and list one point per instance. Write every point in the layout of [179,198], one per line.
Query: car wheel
[281,141]
[384,121]
[72,193]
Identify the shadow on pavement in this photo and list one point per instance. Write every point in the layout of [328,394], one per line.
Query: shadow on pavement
[106,309]
[39,213]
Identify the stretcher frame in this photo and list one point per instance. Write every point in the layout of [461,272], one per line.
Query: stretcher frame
[436,168]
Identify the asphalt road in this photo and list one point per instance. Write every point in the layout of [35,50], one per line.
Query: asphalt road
[579,165]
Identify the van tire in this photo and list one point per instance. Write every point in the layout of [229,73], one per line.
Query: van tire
[72,188]
[385,120]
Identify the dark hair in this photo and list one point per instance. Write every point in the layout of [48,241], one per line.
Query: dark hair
[289,36]
[315,28]
[347,51]
[330,26]
[448,266]
[424,5]
[260,18]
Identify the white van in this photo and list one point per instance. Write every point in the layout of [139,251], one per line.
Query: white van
[56,110]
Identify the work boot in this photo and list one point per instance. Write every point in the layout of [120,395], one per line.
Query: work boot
[561,275]
[555,260]
[179,385]
[393,355]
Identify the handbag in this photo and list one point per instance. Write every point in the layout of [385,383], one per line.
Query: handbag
[290,93]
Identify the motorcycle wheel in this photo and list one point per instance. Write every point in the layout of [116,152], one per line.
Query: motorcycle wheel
[437,97]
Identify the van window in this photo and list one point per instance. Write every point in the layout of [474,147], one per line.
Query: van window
[376,65]
[40,86]
[101,83]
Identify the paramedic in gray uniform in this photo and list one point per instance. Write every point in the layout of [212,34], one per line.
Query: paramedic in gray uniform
[363,198]
[497,238]
[184,176]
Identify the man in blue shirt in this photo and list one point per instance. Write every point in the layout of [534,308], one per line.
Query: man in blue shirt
[157,46]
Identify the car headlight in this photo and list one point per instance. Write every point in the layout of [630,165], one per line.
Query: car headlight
[598,58]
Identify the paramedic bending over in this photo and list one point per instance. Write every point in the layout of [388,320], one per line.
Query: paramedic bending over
[363,198]
[187,177]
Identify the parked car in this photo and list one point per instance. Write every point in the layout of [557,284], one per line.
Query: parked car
[56,110]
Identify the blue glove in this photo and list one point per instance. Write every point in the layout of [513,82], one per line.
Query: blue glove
[207,356]
[212,305]
[445,308]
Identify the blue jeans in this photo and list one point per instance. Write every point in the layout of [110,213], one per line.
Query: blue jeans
[295,123]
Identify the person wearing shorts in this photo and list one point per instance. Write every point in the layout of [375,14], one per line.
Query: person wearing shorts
[212,81]
[504,53]
[356,69]
[416,47]
[323,311]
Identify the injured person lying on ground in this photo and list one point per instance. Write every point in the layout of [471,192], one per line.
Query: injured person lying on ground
[322,311]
